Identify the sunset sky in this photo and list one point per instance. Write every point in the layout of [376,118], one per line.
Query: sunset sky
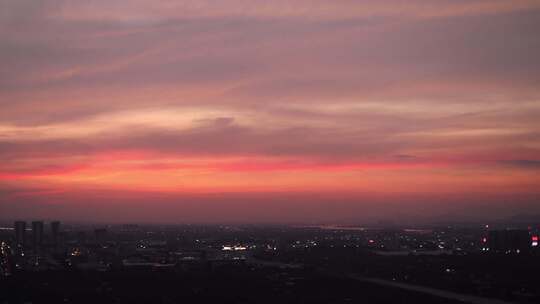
[252,110]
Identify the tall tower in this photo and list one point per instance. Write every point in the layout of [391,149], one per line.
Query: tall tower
[37,235]
[100,234]
[55,230]
[20,234]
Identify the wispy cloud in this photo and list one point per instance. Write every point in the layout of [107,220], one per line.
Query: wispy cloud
[418,96]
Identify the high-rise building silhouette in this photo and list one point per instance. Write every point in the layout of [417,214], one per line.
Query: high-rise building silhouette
[81,237]
[100,235]
[20,233]
[55,231]
[37,235]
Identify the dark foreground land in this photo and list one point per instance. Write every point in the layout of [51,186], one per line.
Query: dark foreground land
[227,285]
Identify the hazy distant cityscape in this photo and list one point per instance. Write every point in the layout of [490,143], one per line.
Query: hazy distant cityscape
[437,264]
